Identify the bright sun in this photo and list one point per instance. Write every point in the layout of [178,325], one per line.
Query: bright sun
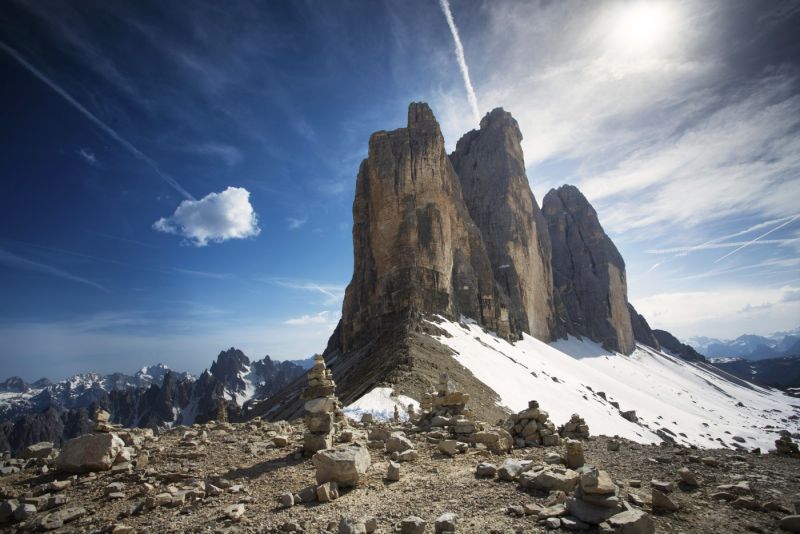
[643,26]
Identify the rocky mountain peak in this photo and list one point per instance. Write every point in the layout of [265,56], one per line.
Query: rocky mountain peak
[420,115]
[229,364]
[416,248]
[491,168]
[14,384]
[588,271]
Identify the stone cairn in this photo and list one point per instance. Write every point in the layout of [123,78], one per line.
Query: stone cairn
[446,405]
[324,415]
[447,410]
[102,421]
[533,427]
[575,428]
[785,446]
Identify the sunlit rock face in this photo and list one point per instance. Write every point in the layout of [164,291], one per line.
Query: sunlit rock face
[491,167]
[588,272]
[416,248]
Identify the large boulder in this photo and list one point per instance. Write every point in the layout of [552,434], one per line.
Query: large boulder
[37,450]
[631,522]
[346,465]
[590,513]
[398,442]
[496,440]
[551,478]
[90,452]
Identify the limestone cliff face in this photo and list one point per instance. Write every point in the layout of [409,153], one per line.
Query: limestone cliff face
[588,271]
[416,248]
[491,167]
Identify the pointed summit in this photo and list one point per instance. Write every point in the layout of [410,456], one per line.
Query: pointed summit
[491,168]
[416,248]
[588,271]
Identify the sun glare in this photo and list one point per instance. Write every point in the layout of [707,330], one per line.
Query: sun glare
[643,26]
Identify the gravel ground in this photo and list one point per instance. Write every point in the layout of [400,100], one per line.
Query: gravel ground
[258,473]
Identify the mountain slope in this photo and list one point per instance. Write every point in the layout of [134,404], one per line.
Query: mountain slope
[689,402]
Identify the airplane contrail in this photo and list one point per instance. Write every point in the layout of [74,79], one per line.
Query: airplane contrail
[462,62]
[18,262]
[100,124]
[765,234]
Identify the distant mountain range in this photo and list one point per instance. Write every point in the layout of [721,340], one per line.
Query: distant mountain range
[153,396]
[750,346]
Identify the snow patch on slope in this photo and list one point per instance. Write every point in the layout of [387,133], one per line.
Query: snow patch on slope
[690,403]
[380,402]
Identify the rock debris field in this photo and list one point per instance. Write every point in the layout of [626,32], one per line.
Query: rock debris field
[254,477]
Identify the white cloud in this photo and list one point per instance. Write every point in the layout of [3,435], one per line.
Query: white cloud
[215,218]
[725,313]
[322,318]
[659,138]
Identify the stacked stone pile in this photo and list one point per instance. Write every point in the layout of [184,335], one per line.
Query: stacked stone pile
[448,410]
[575,428]
[596,501]
[785,446]
[533,427]
[324,415]
[444,407]
[449,401]
[102,422]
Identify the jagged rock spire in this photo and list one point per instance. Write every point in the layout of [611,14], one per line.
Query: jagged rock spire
[491,168]
[416,248]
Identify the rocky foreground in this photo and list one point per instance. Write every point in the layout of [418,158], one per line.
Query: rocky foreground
[253,477]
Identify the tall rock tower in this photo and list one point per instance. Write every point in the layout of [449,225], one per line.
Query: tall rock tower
[588,271]
[416,249]
[491,167]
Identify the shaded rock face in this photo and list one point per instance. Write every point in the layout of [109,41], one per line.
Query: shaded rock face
[672,344]
[416,248]
[229,366]
[490,165]
[642,332]
[588,272]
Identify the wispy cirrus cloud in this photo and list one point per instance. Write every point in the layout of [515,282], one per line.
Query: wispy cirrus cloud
[326,317]
[18,262]
[295,223]
[757,239]
[333,293]
[88,155]
[111,132]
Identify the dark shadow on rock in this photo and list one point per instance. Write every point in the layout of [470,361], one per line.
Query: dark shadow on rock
[263,468]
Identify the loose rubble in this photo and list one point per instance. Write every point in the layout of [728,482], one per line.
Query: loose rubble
[396,476]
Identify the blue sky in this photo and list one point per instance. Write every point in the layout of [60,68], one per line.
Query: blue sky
[679,121]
